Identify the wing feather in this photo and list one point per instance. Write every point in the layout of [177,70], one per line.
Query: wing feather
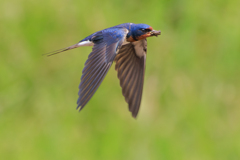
[130,65]
[99,61]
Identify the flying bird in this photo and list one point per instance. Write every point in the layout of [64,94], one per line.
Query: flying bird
[125,44]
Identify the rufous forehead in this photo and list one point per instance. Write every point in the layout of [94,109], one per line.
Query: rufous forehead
[150,28]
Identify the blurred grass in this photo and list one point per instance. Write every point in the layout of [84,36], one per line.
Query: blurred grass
[191,101]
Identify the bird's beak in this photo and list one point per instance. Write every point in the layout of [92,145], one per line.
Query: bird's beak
[155,33]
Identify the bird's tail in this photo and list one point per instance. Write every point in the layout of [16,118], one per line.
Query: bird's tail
[61,50]
[81,43]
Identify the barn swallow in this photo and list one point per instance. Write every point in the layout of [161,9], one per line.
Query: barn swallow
[125,44]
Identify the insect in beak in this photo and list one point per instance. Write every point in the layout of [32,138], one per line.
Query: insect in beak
[155,33]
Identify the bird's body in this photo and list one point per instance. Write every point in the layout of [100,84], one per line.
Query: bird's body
[126,45]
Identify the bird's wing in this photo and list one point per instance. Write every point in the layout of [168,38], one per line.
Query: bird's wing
[106,45]
[130,65]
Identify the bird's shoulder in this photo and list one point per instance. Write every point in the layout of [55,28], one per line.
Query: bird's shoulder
[116,32]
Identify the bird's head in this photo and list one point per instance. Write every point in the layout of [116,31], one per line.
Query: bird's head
[141,31]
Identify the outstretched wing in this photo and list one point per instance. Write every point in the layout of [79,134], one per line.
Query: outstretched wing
[106,45]
[130,65]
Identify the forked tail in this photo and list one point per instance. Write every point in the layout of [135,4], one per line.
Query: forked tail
[61,50]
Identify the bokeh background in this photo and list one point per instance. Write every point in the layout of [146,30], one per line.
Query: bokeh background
[191,101]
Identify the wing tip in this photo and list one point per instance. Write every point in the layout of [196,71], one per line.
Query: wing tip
[134,116]
[79,107]
[134,112]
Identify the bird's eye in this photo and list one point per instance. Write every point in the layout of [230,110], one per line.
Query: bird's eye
[145,30]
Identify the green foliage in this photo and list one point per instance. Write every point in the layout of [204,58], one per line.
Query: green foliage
[190,107]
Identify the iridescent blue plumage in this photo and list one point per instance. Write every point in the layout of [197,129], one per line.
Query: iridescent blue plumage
[134,30]
[126,45]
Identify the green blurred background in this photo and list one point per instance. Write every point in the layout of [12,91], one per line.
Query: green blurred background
[191,101]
